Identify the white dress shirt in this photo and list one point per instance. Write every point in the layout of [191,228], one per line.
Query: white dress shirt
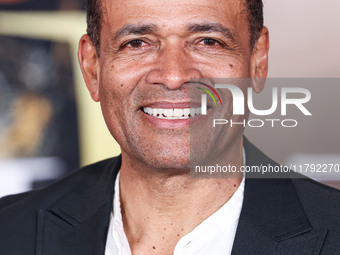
[215,235]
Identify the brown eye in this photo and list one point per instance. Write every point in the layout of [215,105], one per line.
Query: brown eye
[210,42]
[135,43]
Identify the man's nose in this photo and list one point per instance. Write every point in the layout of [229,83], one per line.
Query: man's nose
[174,67]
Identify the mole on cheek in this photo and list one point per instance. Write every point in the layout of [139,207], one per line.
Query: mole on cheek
[121,85]
[231,66]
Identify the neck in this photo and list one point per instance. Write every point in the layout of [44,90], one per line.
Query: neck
[159,208]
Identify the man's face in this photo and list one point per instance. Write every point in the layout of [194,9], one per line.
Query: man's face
[149,51]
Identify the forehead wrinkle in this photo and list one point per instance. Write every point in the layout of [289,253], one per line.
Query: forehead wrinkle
[209,27]
[135,29]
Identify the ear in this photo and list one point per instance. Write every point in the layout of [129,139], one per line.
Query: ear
[259,61]
[89,64]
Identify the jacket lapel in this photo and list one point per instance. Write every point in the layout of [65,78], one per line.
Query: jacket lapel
[78,223]
[272,220]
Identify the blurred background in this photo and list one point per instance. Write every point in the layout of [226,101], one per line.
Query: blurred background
[304,43]
[50,126]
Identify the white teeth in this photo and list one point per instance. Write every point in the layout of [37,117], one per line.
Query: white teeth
[148,110]
[169,112]
[176,113]
[195,111]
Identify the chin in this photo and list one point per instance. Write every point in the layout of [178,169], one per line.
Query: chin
[168,161]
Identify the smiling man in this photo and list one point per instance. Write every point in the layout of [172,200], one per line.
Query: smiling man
[138,60]
[143,61]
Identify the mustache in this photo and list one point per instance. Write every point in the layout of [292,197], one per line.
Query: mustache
[188,92]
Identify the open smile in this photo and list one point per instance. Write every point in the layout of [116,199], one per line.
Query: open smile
[172,113]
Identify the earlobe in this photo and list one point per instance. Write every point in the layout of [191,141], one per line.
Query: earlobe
[88,60]
[259,61]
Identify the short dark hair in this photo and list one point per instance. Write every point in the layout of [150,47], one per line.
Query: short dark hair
[255,19]
[94,19]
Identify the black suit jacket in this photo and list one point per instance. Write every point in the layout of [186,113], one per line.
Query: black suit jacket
[71,216]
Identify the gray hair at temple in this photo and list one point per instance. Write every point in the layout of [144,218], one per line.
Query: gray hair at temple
[94,16]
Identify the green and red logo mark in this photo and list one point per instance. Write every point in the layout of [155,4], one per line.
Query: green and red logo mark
[209,93]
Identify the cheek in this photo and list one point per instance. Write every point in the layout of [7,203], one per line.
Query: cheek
[112,93]
[117,97]
[115,85]
[238,68]
[120,77]
[239,71]
[228,68]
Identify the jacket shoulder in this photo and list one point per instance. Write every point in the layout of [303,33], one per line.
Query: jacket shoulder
[86,175]
[317,197]
[321,204]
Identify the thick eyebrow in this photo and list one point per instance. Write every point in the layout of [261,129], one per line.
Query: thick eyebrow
[209,27]
[135,29]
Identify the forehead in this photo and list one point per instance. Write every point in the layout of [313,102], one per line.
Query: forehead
[173,13]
